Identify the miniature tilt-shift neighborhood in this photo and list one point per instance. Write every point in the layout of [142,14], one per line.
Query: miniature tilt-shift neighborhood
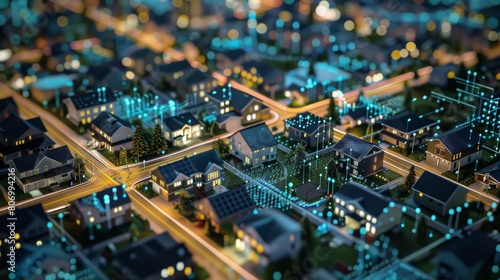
[249,139]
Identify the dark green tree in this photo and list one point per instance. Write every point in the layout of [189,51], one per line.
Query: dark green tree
[408,96]
[139,144]
[361,96]
[221,147]
[158,143]
[410,178]
[422,229]
[333,111]
[307,232]
[209,228]
[136,122]
[214,129]
[80,168]
[329,207]
[200,116]
[299,156]
[334,173]
[122,158]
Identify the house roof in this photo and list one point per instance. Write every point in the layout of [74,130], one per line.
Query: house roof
[435,186]
[258,137]
[354,147]
[107,75]
[194,76]
[475,247]
[358,113]
[25,216]
[493,170]
[460,139]
[306,122]
[401,123]
[223,117]
[15,128]
[172,67]
[92,98]
[199,163]
[29,162]
[269,224]
[109,123]
[234,54]
[372,202]
[177,122]
[230,203]
[117,197]
[6,102]
[264,70]
[35,144]
[149,256]
[239,99]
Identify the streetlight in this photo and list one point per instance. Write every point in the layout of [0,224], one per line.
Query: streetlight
[407,122]
[329,179]
[459,209]
[309,180]
[414,99]
[451,212]
[303,170]
[413,144]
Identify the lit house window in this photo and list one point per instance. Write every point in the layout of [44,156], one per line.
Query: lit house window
[82,113]
[271,149]
[177,184]
[249,117]
[103,108]
[254,116]
[256,107]
[96,110]
[189,182]
[213,175]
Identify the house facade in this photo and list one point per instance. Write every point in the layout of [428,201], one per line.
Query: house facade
[85,107]
[356,157]
[181,128]
[224,207]
[310,130]
[406,130]
[110,207]
[7,107]
[362,206]
[268,236]
[111,133]
[43,169]
[194,84]
[254,145]
[203,171]
[489,176]
[455,148]
[438,193]
[22,137]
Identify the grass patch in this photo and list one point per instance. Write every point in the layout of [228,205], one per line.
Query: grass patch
[20,195]
[231,179]
[147,190]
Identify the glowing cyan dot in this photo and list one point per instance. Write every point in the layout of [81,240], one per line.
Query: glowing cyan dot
[277,275]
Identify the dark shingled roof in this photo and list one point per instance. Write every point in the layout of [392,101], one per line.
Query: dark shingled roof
[460,139]
[239,100]
[147,257]
[15,128]
[309,191]
[30,162]
[188,166]
[493,170]
[401,123]
[170,68]
[117,197]
[222,118]
[234,54]
[194,76]
[372,202]
[5,102]
[25,216]
[435,186]
[231,203]
[269,224]
[93,98]
[177,122]
[258,137]
[109,123]
[472,249]
[358,113]
[354,147]
[306,122]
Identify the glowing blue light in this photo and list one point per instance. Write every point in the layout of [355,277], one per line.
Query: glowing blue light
[418,210]
[362,231]
[495,269]
[469,221]
[448,236]
[277,275]
[403,209]
[451,211]
[392,204]
[49,225]
[60,215]
[98,226]
[433,217]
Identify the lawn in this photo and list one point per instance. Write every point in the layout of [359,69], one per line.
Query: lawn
[20,195]
[417,155]
[82,235]
[147,190]
[231,179]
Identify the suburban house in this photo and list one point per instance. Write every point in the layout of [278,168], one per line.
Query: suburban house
[194,85]
[224,207]
[362,114]
[268,236]
[7,107]
[489,176]
[44,257]
[153,258]
[22,137]
[230,59]
[356,157]
[83,108]
[261,74]
[170,71]
[469,257]
[31,224]
[406,130]
[111,133]
[110,208]
[233,102]
[438,193]
[43,169]
[181,128]
[109,75]
[309,130]
[254,145]
[203,171]
[455,148]
[362,206]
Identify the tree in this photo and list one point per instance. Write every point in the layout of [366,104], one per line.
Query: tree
[334,173]
[361,96]
[332,111]
[299,155]
[134,232]
[410,178]
[139,144]
[122,157]
[201,115]
[422,229]
[307,232]
[136,122]
[221,147]
[185,201]
[214,129]
[329,207]
[408,96]
[209,228]
[158,143]
[80,168]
